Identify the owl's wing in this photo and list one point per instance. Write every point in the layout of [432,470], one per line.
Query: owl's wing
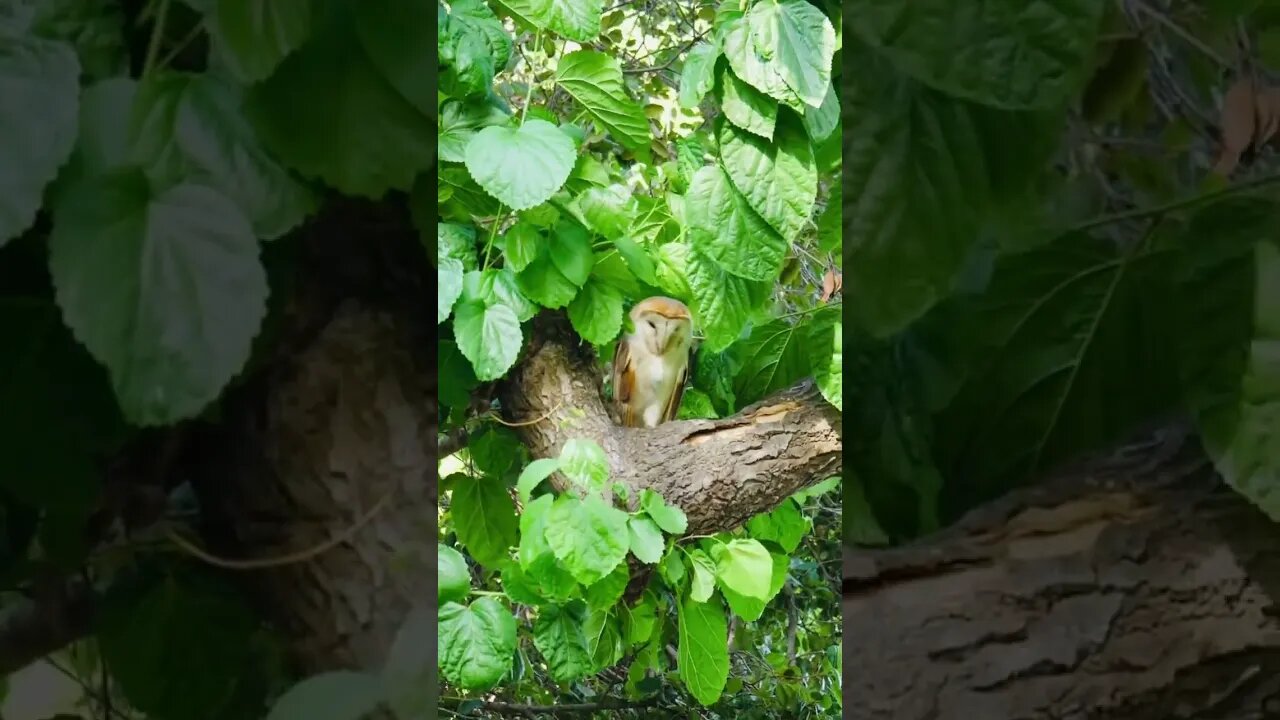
[624,379]
[677,391]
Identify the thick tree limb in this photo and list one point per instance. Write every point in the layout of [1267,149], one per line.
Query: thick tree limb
[1138,595]
[720,472]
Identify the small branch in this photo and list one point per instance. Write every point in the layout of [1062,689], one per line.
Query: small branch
[1181,32]
[452,441]
[157,32]
[1140,213]
[672,59]
[526,423]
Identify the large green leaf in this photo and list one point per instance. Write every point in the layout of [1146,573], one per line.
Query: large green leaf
[575,19]
[743,105]
[596,313]
[559,635]
[697,75]
[722,303]
[521,166]
[391,33]
[1006,53]
[489,336]
[459,121]
[914,192]
[180,644]
[484,518]
[454,579]
[336,695]
[783,49]
[448,287]
[95,29]
[254,36]
[703,651]
[39,84]
[1068,349]
[329,113]
[723,227]
[185,124]
[777,178]
[823,120]
[553,278]
[745,567]
[477,643]
[595,80]
[588,536]
[775,356]
[165,290]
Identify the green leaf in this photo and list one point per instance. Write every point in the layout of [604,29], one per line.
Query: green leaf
[907,238]
[697,75]
[180,644]
[484,518]
[750,608]
[574,19]
[533,475]
[595,80]
[646,539]
[696,405]
[637,259]
[786,526]
[672,568]
[668,517]
[495,450]
[497,287]
[490,337]
[1007,54]
[641,620]
[96,30]
[454,578]
[408,678]
[459,121]
[553,278]
[391,33]
[523,244]
[477,643]
[828,367]
[471,43]
[558,635]
[704,652]
[724,228]
[335,695]
[783,49]
[823,120]
[1040,353]
[778,179]
[520,587]
[588,536]
[38,124]
[704,576]
[166,291]
[521,166]
[743,105]
[722,303]
[458,242]
[448,287]
[610,211]
[745,568]
[185,124]
[596,313]
[328,113]
[773,357]
[456,376]
[254,36]
[533,526]
[604,639]
[583,461]
[604,593]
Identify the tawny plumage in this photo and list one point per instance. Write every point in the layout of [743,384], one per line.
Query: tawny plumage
[651,365]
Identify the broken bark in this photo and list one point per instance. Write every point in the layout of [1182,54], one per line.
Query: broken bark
[1124,595]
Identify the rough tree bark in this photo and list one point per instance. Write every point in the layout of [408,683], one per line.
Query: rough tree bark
[1111,593]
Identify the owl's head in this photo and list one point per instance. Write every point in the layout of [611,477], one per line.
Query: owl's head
[662,324]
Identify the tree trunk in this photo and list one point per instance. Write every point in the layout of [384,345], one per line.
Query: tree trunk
[1114,593]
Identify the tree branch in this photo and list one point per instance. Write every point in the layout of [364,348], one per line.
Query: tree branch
[31,629]
[519,709]
[720,472]
[1112,593]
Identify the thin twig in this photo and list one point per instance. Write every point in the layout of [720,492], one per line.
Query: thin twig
[1181,32]
[1138,213]
[290,559]
[526,423]
[157,32]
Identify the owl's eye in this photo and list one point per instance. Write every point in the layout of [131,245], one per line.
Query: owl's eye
[650,324]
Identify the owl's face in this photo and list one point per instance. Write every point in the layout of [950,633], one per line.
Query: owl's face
[661,330]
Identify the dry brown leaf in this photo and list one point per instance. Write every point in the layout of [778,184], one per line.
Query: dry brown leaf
[831,283]
[1237,124]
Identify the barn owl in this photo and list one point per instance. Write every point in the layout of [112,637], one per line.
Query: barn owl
[651,364]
